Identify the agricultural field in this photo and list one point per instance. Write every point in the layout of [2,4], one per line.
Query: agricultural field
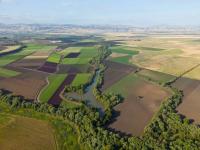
[8,73]
[54,81]
[127,83]
[81,79]
[142,100]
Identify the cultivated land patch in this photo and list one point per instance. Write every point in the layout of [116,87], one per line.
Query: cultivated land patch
[155,76]
[26,133]
[27,84]
[81,79]
[28,63]
[54,58]
[8,73]
[73,61]
[54,82]
[49,67]
[72,55]
[114,72]
[142,100]
[74,69]
[56,99]
[190,104]
[126,57]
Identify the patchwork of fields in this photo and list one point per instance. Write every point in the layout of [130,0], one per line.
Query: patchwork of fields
[138,70]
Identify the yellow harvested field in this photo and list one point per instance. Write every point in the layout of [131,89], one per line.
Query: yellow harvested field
[26,134]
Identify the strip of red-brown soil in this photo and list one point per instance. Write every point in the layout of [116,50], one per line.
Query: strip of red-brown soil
[49,67]
[137,109]
[27,84]
[190,106]
[72,55]
[56,99]
[114,72]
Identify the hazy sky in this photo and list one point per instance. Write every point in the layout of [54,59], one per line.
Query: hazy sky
[123,12]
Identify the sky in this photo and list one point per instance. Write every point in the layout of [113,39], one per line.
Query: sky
[102,12]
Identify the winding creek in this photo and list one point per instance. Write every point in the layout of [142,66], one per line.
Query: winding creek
[88,96]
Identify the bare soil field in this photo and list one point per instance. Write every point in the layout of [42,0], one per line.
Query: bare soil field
[28,63]
[190,106]
[72,55]
[74,69]
[28,84]
[56,99]
[142,100]
[49,67]
[114,72]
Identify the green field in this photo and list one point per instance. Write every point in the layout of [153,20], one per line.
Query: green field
[158,77]
[81,79]
[73,61]
[119,87]
[123,50]
[70,50]
[88,52]
[54,82]
[39,47]
[123,59]
[8,73]
[54,58]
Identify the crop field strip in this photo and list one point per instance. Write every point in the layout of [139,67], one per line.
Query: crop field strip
[54,82]
[56,99]
[81,79]
[8,73]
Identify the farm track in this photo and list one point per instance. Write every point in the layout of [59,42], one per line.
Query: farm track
[56,99]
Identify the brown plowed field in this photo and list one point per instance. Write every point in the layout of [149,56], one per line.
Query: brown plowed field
[28,63]
[55,99]
[141,102]
[49,67]
[28,84]
[114,72]
[190,106]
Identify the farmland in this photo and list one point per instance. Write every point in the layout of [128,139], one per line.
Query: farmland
[79,91]
[81,79]
[138,106]
[54,81]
